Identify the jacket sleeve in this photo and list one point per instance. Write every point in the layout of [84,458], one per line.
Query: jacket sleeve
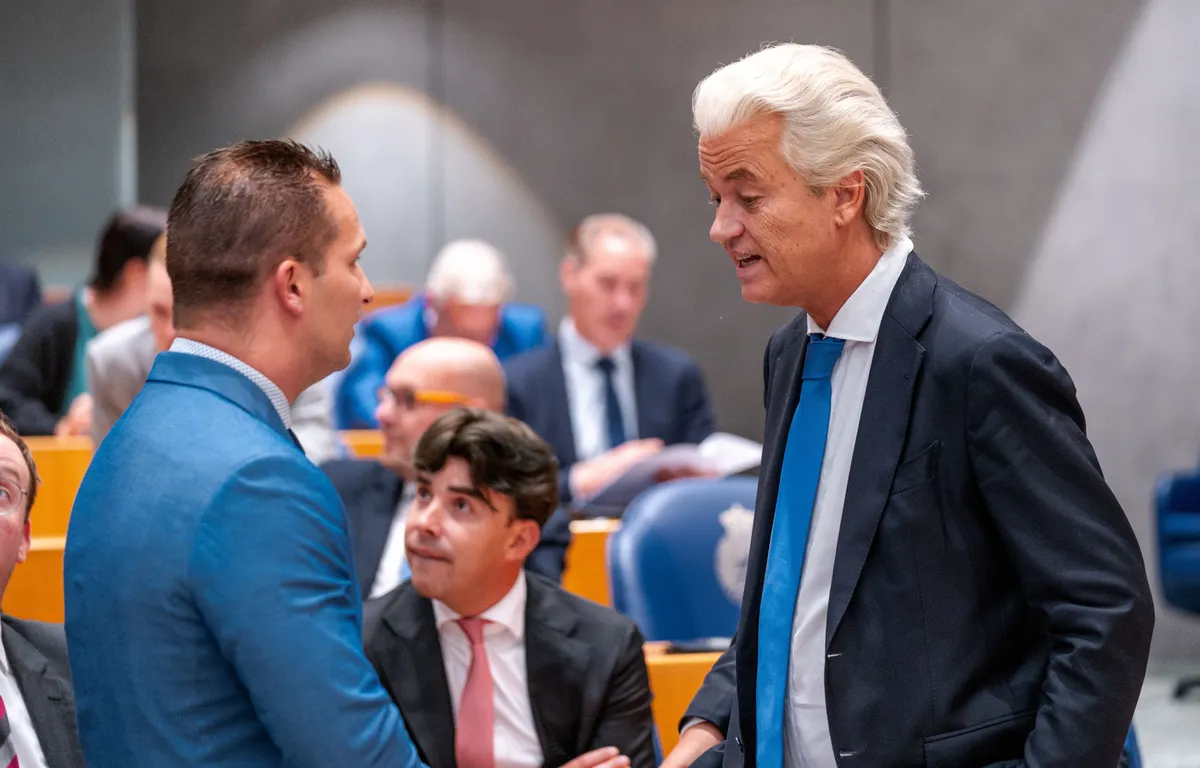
[1073,549]
[626,721]
[271,577]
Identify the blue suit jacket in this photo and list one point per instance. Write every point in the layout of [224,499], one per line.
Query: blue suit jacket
[672,401]
[383,335]
[212,614]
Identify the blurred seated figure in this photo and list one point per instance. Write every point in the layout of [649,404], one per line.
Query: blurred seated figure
[491,666]
[120,359]
[428,379]
[37,705]
[466,295]
[43,381]
[20,294]
[601,398]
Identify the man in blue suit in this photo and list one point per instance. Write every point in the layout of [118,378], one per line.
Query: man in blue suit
[938,575]
[466,295]
[212,613]
[602,399]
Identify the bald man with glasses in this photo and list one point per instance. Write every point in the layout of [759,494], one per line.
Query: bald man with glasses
[427,379]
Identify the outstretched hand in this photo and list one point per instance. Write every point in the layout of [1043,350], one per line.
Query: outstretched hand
[605,757]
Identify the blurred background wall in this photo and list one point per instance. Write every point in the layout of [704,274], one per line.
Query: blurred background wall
[1032,124]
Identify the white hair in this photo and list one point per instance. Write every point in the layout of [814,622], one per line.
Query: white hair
[469,272]
[836,122]
[614,225]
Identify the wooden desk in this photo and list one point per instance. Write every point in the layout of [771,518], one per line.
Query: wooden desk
[674,680]
[35,590]
[363,443]
[61,463]
[389,295]
[586,573]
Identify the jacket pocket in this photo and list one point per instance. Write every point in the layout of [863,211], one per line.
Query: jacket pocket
[992,741]
[917,470]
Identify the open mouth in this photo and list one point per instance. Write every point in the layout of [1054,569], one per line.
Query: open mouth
[746,261]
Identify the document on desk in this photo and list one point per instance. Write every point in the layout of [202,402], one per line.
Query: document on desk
[721,454]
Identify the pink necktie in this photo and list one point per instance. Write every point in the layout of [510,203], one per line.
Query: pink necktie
[475,730]
[8,748]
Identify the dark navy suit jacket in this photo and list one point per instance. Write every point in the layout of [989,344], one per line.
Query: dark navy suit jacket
[672,400]
[212,614]
[384,334]
[989,603]
[371,492]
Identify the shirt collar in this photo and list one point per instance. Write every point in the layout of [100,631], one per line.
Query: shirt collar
[273,392]
[860,316]
[508,612]
[580,351]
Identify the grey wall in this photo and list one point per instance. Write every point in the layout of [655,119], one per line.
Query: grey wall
[66,126]
[576,107]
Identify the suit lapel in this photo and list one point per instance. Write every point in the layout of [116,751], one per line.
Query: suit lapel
[882,428]
[47,696]
[556,665]
[416,655]
[560,418]
[648,401]
[785,379]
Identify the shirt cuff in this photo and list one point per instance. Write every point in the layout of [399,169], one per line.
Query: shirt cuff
[691,723]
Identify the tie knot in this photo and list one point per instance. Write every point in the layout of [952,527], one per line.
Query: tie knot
[820,356]
[606,365]
[473,629]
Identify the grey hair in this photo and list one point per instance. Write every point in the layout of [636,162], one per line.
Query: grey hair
[836,122]
[598,225]
[470,272]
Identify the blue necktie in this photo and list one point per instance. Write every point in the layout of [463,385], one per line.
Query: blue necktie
[798,479]
[614,423]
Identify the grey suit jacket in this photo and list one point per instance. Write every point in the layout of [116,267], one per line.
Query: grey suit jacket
[37,653]
[120,358]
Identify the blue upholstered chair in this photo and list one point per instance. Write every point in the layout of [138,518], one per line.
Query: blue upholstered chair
[677,564]
[1177,499]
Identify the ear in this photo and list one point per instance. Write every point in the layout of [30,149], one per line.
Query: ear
[23,550]
[849,196]
[525,537]
[568,270]
[290,283]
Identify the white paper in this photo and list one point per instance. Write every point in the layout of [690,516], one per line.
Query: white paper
[721,454]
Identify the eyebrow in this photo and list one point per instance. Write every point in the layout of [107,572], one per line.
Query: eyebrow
[741,174]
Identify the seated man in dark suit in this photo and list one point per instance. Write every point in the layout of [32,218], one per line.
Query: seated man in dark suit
[37,706]
[603,399]
[467,296]
[532,675]
[20,294]
[427,380]
[43,380]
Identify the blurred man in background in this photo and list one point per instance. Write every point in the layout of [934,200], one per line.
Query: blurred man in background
[466,295]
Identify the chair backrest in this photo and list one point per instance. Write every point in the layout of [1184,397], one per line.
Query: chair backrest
[1177,500]
[677,564]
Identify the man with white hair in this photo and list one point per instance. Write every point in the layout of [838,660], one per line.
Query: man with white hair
[938,574]
[466,295]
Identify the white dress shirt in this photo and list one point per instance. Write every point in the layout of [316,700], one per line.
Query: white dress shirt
[391,569]
[807,743]
[585,391]
[24,738]
[515,741]
[269,388]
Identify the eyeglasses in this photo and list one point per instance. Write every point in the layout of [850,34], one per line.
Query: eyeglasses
[408,398]
[11,497]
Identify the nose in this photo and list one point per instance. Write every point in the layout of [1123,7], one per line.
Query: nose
[366,292]
[425,518]
[725,226]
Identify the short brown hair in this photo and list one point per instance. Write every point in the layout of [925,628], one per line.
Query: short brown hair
[8,430]
[127,236]
[504,455]
[240,211]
